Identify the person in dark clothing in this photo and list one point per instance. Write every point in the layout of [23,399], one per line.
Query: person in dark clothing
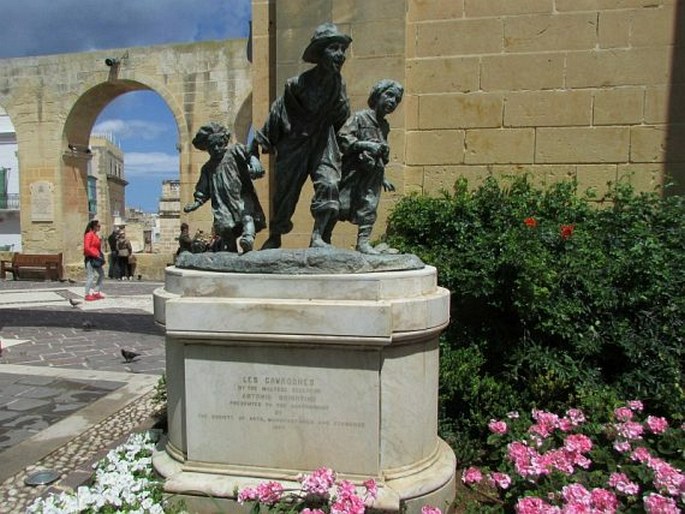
[185,242]
[113,270]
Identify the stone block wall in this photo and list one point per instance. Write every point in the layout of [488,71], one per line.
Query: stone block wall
[555,88]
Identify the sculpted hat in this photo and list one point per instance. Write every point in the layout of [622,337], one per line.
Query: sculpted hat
[324,35]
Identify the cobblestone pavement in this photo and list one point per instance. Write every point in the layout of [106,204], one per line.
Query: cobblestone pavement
[66,393]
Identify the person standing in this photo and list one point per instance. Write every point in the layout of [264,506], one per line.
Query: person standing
[124,251]
[113,271]
[94,260]
[185,242]
[301,130]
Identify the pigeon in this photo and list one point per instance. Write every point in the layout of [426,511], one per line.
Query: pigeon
[74,303]
[129,355]
[87,326]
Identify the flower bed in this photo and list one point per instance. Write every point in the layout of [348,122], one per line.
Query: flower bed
[124,482]
[551,464]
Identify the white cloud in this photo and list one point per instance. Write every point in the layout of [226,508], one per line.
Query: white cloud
[131,129]
[148,164]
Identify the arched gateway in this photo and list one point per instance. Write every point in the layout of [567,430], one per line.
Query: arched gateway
[55,100]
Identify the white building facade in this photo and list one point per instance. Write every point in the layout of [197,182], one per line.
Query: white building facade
[10,227]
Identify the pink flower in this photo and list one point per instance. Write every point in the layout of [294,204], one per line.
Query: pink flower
[533,505]
[546,423]
[641,454]
[497,427]
[623,414]
[429,509]
[558,459]
[247,494]
[578,443]
[472,475]
[307,510]
[577,508]
[667,479]
[636,405]
[622,446]
[630,430]
[603,501]
[501,480]
[623,484]
[575,416]
[657,504]
[657,424]
[319,482]
[576,493]
[269,492]
[348,502]
[565,425]
[346,489]
[522,456]
[371,488]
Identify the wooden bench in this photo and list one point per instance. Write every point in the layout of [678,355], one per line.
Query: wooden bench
[48,265]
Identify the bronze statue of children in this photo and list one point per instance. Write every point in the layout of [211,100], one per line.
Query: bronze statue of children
[301,130]
[226,180]
[363,141]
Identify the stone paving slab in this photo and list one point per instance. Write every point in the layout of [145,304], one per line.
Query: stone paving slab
[29,297]
[48,399]
[66,393]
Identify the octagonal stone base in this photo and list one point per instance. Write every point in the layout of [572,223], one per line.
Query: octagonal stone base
[273,375]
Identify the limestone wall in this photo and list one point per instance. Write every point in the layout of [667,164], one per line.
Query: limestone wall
[558,88]
[589,89]
[53,101]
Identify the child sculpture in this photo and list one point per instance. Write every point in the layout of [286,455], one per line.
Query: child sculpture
[363,141]
[301,129]
[226,180]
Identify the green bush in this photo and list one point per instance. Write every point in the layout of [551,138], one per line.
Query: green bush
[557,299]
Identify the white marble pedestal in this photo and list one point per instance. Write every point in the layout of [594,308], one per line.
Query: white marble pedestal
[274,375]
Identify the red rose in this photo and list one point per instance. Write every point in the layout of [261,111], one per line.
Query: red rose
[566,231]
[530,222]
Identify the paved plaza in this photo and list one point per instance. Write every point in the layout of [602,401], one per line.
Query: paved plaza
[66,393]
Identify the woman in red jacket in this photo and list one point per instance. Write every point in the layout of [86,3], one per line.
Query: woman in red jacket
[94,259]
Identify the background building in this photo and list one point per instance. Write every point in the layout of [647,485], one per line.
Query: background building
[107,185]
[10,228]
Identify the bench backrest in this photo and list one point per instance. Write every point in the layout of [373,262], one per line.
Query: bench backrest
[36,259]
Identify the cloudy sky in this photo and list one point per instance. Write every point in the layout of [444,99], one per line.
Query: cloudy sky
[140,122]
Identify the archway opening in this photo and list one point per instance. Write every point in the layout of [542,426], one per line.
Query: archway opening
[10,219]
[121,143]
[135,145]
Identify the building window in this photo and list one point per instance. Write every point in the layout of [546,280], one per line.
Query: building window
[92,196]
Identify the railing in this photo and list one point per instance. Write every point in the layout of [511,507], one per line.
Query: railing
[9,201]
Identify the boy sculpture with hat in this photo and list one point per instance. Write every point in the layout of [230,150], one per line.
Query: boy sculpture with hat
[301,130]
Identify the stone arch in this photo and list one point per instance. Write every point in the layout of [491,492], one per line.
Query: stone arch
[76,135]
[90,104]
[54,101]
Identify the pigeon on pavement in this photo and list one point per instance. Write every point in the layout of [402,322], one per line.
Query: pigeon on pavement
[74,302]
[129,355]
